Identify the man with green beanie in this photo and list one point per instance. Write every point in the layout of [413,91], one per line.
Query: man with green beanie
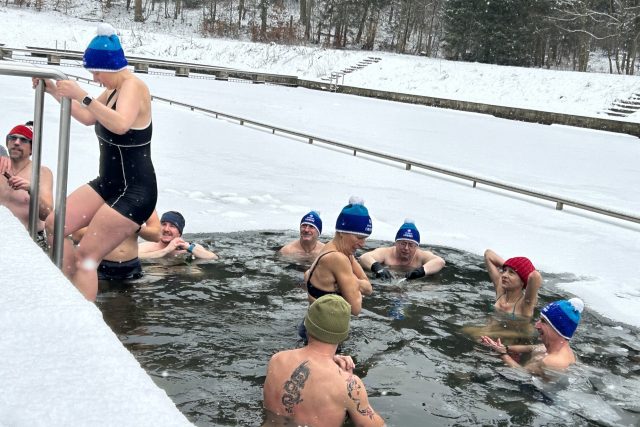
[303,385]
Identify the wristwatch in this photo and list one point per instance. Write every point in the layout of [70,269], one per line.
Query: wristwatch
[191,247]
[87,100]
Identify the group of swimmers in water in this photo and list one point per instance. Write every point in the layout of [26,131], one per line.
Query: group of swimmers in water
[305,386]
[337,273]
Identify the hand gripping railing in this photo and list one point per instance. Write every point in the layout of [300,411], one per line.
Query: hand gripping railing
[63,153]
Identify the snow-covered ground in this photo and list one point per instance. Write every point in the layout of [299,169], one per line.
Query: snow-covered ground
[224,177]
[558,91]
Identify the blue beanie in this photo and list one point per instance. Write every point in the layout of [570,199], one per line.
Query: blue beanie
[563,316]
[354,218]
[174,218]
[408,231]
[104,53]
[312,219]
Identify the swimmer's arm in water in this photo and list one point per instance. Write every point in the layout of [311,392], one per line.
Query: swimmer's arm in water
[432,264]
[341,268]
[363,282]
[147,250]
[200,252]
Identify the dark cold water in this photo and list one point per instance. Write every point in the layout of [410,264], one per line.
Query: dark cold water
[205,332]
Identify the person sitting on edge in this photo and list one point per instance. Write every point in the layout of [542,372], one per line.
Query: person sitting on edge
[16,183]
[303,386]
[558,321]
[336,270]
[516,282]
[308,244]
[405,253]
[123,263]
[171,243]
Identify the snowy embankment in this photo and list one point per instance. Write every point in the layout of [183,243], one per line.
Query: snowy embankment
[61,364]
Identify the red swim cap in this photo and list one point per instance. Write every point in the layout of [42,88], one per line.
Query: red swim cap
[22,130]
[522,266]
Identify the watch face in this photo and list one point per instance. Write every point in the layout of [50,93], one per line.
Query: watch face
[87,100]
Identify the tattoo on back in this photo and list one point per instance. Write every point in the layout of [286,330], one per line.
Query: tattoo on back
[353,389]
[293,387]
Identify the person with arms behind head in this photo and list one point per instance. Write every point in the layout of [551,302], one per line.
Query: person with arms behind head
[405,254]
[308,244]
[516,282]
[556,326]
[115,204]
[171,243]
[305,387]
[15,184]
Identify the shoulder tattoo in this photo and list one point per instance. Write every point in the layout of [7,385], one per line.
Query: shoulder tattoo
[293,387]
[353,389]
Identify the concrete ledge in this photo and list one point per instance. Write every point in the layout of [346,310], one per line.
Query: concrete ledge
[512,113]
[61,364]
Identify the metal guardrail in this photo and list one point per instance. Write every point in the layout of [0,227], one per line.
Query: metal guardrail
[560,201]
[63,153]
[141,65]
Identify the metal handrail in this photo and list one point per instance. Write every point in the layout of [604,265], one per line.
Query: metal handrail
[63,153]
[560,201]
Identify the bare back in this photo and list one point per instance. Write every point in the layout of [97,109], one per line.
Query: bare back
[307,388]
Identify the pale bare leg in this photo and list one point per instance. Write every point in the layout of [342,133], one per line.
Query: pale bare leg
[105,232]
[82,205]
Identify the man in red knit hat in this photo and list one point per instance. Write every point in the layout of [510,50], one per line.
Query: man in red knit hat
[516,282]
[16,183]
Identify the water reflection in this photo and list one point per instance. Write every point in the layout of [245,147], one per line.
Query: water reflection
[205,332]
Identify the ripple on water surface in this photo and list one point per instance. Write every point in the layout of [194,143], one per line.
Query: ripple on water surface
[205,332]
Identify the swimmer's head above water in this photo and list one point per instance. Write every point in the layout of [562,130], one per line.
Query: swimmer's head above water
[175,218]
[104,53]
[521,266]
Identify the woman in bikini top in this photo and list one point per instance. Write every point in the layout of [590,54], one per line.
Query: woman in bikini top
[516,283]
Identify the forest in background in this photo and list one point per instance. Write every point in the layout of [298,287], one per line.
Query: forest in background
[557,34]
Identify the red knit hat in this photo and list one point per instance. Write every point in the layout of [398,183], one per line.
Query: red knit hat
[23,130]
[522,266]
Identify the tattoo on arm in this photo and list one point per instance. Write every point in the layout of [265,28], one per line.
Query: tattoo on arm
[293,387]
[353,389]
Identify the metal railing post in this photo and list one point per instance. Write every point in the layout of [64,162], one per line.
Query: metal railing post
[36,152]
[63,152]
[61,179]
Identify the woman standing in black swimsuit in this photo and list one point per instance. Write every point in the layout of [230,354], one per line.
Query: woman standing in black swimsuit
[335,270]
[114,205]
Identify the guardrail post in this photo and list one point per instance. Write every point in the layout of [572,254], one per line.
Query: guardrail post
[182,72]
[310,140]
[474,184]
[559,206]
[5,53]
[141,67]
[354,152]
[407,166]
[53,59]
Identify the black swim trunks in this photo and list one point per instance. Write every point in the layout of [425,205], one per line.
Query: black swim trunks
[113,270]
[127,179]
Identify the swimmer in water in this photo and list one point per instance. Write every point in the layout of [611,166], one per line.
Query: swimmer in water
[405,254]
[516,282]
[336,270]
[304,387]
[308,245]
[171,243]
[556,326]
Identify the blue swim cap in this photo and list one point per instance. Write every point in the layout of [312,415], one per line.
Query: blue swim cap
[354,218]
[104,53]
[312,219]
[408,231]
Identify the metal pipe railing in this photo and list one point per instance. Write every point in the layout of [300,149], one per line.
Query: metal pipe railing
[63,153]
[560,201]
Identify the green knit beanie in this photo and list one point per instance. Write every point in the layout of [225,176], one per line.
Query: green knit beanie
[328,318]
